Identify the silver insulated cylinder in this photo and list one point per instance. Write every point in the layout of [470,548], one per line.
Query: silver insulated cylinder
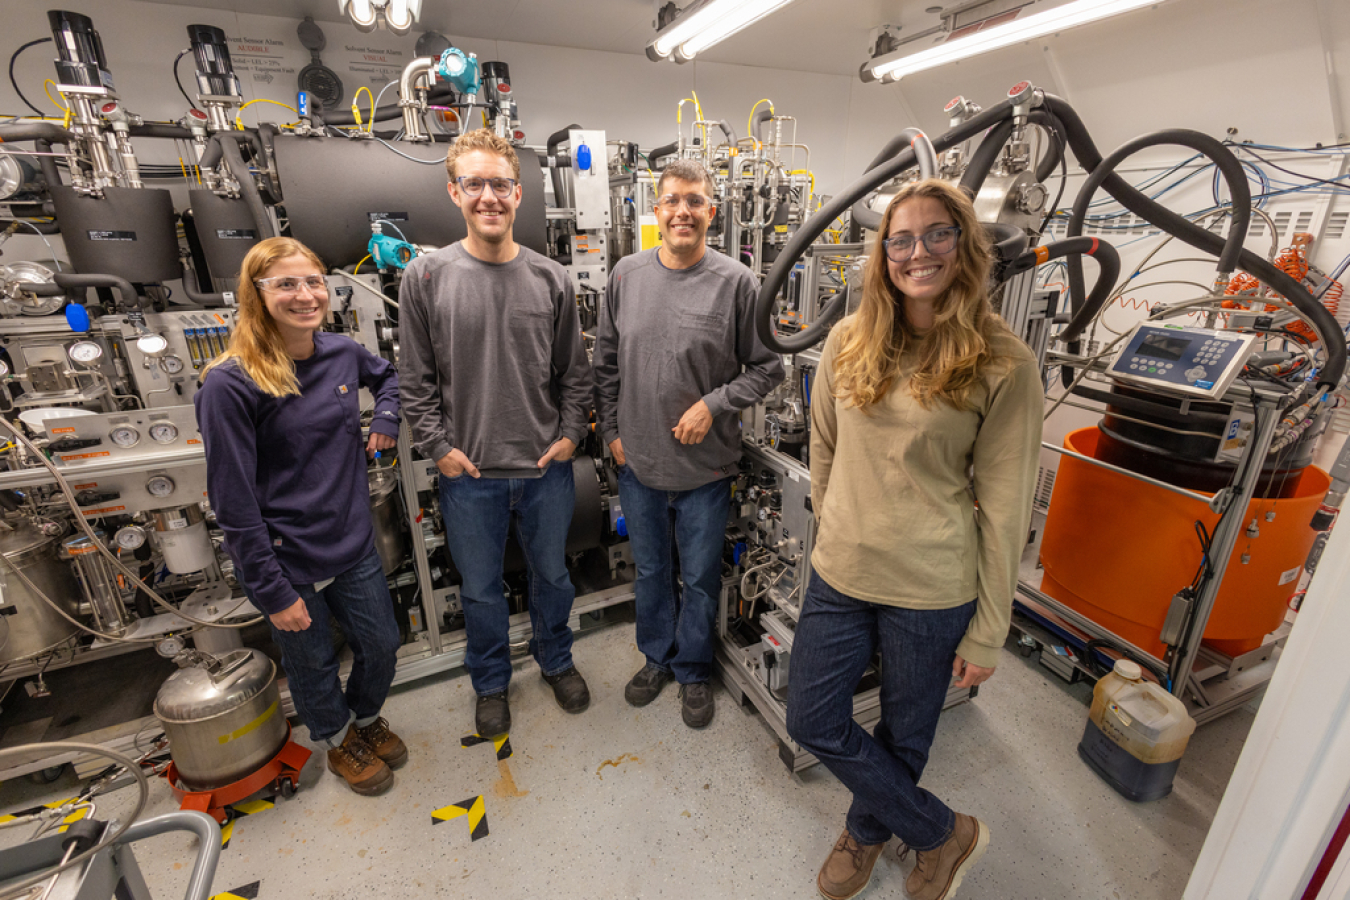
[384,509]
[28,625]
[183,539]
[223,718]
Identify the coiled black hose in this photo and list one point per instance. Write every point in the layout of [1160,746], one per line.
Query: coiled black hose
[235,161]
[863,216]
[1328,330]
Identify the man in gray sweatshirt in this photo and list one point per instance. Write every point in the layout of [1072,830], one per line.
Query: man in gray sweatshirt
[496,389]
[676,360]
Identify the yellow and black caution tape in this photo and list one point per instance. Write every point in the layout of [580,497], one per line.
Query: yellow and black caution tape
[238,811]
[501,743]
[473,808]
[246,892]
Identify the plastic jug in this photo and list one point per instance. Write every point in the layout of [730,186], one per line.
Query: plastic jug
[1136,733]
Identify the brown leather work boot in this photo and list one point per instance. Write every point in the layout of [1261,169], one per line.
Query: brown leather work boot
[358,765]
[387,745]
[847,869]
[938,872]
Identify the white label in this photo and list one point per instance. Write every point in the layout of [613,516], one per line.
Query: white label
[176,524]
[794,476]
[1291,575]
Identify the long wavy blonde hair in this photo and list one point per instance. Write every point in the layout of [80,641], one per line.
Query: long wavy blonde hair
[954,351]
[256,344]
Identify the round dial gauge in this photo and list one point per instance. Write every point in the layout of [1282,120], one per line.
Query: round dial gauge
[86,353]
[160,486]
[129,537]
[152,344]
[170,647]
[125,436]
[164,432]
[171,364]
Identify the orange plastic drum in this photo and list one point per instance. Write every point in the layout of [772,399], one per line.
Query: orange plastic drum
[1117,549]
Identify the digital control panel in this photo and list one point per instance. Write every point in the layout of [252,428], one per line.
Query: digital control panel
[1185,360]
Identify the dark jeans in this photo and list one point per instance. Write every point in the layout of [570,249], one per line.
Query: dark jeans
[359,600]
[836,636]
[676,536]
[477,513]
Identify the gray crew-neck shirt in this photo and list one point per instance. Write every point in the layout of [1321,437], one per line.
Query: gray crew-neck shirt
[667,339]
[492,361]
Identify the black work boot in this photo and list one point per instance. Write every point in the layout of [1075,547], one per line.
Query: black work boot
[697,708]
[570,690]
[645,685]
[492,715]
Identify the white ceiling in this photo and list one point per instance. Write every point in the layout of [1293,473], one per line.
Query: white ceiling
[823,36]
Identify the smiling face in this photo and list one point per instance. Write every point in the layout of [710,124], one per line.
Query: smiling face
[488,216]
[924,277]
[683,230]
[302,313]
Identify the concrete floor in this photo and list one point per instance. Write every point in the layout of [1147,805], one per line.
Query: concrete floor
[626,803]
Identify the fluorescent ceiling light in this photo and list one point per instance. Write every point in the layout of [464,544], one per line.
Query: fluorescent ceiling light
[899,64]
[705,23]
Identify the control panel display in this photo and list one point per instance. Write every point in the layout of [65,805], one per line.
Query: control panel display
[1192,362]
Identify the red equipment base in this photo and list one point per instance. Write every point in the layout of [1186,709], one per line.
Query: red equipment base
[282,773]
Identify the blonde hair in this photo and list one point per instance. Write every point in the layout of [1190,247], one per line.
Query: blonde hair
[485,140]
[953,353]
[256,344]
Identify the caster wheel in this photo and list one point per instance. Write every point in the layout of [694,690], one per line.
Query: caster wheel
[47,776]
[287,788]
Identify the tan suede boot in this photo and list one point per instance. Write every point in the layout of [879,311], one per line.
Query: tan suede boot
[387,745]
[847,869]
[938,872]
[358,765]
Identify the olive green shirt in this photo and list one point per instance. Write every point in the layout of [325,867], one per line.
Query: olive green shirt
[896,500]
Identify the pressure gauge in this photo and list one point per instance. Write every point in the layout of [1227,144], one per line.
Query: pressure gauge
[171,364]
[160,486]
[164,432]
[152,344]
[125,436]
[170,647]
[129,537]
[86,353]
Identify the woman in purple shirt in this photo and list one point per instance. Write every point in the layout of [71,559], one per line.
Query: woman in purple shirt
[280,416]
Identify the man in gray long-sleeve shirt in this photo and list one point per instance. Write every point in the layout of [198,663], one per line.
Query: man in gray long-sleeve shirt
[676,360]
[496,388]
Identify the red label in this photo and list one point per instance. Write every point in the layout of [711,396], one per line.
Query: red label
[1019,88]
[956,101]
[109,107]
[519,135]
[85,487]
[63,431]
[504,88]
[193,441]
[197,114]
[100,512]
[69,456]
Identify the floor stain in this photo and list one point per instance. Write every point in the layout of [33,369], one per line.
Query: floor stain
[506,785]
[615,763]
[345,820]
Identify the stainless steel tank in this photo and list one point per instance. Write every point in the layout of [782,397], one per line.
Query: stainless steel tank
[223,717]
[384,508]
[28,625]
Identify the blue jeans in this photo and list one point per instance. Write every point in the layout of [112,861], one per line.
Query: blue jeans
[836,637]
[477,513]
[676,536]
[359,600]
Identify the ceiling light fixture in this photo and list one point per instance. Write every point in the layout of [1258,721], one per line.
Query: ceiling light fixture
[706,22]
[992,34]
[398,16]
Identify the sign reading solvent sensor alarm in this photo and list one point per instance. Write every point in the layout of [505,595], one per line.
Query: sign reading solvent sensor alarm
[1182,360]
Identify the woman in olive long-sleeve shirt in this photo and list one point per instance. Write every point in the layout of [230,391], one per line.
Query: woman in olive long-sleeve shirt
[914,557]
